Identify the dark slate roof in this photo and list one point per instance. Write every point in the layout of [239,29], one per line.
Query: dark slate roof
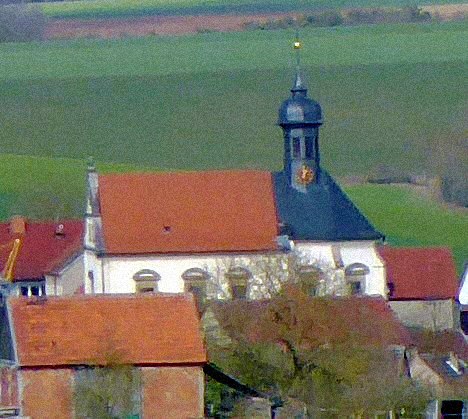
[323,213]
[299,109]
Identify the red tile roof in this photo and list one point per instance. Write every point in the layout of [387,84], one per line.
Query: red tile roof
[420,273]
[441,342]
[42,250]
[213,211]
[84,330]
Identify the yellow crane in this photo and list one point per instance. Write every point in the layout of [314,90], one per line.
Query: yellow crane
[8,273]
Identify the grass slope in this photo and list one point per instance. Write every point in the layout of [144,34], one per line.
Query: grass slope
[123,8]
[209,101]
[411,220]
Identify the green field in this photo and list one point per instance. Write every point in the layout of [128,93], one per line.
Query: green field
[391,95]
[122,8]
[408,219]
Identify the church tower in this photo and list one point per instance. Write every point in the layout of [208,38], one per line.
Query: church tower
[300,118]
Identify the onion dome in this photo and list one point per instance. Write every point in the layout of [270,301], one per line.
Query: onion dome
[300,109]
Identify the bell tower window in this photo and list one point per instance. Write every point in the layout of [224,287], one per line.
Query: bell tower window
[296,147]
[309,147]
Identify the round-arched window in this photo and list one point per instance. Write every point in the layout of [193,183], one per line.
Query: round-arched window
[146,280]
[238,279]
[195,282]
[356,276]
[309,279]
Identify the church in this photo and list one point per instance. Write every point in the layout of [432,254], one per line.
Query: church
[233,233]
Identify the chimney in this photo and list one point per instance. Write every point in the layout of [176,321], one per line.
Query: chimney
[17,225]
[60,231]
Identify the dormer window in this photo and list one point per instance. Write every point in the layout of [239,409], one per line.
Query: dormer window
[238,279]
[355,275]
[146,280]
[195,280]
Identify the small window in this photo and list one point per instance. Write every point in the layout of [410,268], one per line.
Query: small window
[238,279]
[296,146]
[355,287]
[35,290]
[91,280]
[309,147]
[195,280]
[356,269]
[309,279]
[356,276]
[146,280]
[24,291]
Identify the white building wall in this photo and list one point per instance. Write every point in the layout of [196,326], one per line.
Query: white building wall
[463,294]
[114,274]
[93,273]
[366,253]
[69,280]
[119,271]
[434,315]
[350,252]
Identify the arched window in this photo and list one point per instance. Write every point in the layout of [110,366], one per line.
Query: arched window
[146,280]
[195,282]
[238,280]
[356,276]
[309,279]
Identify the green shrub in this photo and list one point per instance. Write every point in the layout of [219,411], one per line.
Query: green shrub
[326,18]
[21,23]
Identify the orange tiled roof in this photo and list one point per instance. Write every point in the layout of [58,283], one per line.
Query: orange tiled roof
[212,211]
[83,330]
[420,273]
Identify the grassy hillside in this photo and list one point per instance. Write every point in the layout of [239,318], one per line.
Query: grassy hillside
[408,219]
[121,8]
[210,101]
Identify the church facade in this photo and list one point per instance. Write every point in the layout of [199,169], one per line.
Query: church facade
[236,233]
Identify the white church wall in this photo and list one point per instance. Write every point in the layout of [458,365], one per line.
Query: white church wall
[93,274]
[366,253]
[115,274]
[119,271]
[348,252]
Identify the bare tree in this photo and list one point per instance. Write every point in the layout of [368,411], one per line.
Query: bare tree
[266,275]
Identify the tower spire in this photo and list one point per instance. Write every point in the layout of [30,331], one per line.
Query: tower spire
[299,85]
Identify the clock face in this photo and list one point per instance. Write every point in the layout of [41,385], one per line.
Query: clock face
[305,175]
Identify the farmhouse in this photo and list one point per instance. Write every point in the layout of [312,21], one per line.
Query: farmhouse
[210,232]
[35,253]
[423,286]
[54,349]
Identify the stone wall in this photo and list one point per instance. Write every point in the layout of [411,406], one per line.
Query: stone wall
[434,315]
